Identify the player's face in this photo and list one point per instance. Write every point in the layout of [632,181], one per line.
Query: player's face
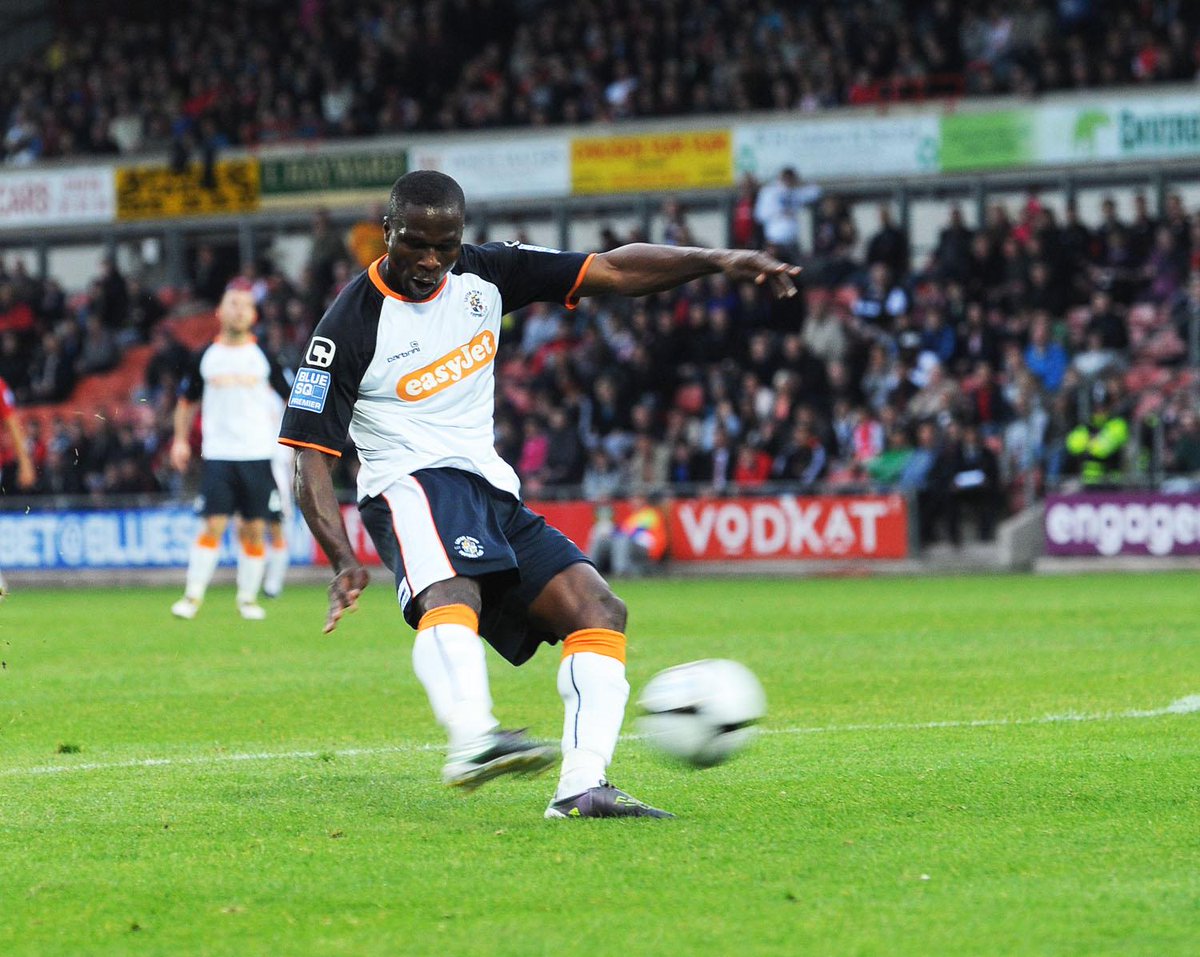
[236,311]
[423,245]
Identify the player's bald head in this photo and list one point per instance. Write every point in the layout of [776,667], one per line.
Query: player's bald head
[426,189]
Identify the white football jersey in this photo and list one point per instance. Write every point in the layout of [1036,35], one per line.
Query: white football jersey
[236,387]
[412,383]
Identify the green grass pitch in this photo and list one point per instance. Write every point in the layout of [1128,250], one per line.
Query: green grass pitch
[975,766]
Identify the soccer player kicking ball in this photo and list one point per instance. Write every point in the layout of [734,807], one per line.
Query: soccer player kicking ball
[233,386]
[403,362]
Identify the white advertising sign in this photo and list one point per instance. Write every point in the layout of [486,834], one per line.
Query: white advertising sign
[822,148]
[57,197]
[515,168]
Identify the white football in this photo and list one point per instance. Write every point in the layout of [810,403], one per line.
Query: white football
[702,712]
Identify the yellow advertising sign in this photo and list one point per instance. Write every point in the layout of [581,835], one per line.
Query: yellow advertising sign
[158,192]
[694,159]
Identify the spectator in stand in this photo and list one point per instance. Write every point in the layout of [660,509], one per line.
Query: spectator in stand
[327,249]
[1044,357]
[99,352]
[15,315]
[52,376]
[364,239]
[744,231]
[777,211]
[1183,457]
[880,299]
[889,245]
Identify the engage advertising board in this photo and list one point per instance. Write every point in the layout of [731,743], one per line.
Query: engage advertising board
[1122,523]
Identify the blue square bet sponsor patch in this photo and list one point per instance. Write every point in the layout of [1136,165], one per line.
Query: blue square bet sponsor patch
[310,390]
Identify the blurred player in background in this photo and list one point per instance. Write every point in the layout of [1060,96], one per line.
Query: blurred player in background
[26,475]
[402,362]
[283,468]
[231,387]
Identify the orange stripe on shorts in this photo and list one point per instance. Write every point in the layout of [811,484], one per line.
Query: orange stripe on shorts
[450,615]
[600,641]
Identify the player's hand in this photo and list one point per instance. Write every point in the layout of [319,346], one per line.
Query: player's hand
[26,475]
[181,455]
[746,265]
[344,590]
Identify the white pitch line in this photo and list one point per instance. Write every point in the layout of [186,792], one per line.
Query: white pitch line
[1186,705]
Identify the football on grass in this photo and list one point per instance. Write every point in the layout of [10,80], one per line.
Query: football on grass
[702,712]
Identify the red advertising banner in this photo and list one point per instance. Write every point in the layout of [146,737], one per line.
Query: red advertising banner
[860,526]
[724,529]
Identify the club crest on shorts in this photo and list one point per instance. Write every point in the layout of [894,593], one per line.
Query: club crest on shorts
[468,547]
[474,302]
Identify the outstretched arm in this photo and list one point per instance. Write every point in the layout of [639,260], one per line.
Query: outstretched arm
[642,268]
[181,449]
[26,475]
[319,505]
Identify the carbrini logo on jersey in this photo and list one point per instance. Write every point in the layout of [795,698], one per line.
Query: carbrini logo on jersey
[449,369]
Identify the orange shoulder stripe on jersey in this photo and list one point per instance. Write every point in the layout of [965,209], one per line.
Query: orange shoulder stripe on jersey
[383,287]
[450,615]
[571,302]
[310,445]
[600,641]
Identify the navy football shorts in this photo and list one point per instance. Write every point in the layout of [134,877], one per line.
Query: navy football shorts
[437,524]
[237,488]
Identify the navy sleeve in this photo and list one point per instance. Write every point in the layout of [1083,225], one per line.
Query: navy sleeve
[526,274]
[191,386]
[322,398]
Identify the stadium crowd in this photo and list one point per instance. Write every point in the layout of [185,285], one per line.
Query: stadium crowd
[193,78]
[961,378]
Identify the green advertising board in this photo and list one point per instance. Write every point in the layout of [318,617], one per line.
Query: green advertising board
[987,140]
[323,174]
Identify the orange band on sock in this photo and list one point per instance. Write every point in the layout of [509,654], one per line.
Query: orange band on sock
[450,615]
[254,551]
[600,641]
[207,541]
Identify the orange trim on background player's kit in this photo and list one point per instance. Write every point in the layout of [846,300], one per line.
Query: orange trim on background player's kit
[599,641]
[578,282]
[383,287]
[450,615]
[208,541]
[310,445]
[254,551]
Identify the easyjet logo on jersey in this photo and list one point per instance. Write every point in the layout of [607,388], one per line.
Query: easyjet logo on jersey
[449,369]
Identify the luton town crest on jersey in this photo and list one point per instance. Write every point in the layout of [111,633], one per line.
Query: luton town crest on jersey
[474,301]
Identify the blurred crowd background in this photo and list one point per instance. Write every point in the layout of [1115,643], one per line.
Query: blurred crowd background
[1031,350]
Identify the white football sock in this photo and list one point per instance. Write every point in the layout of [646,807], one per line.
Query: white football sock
[250,570]
[594,692]
[278,559]
[450,663]
[202,563]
